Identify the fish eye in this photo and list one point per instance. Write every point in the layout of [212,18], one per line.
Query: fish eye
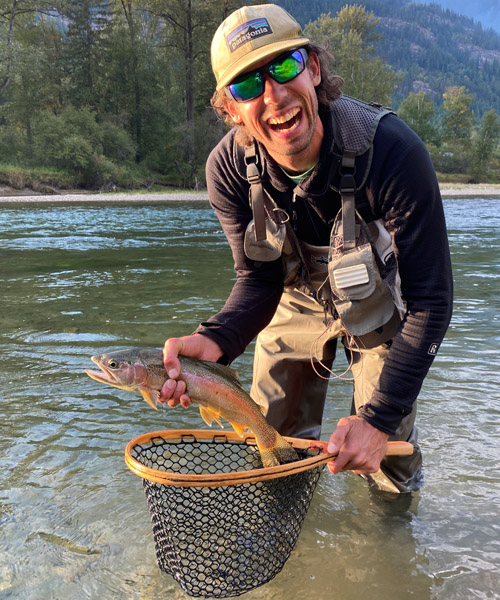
[113,364]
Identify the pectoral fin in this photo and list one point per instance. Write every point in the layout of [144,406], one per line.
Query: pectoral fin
[151,396]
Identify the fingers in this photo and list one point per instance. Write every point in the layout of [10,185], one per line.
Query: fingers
[171,350]
[199,346]
[173,393]
[360,446]
[337,444]
[339,435]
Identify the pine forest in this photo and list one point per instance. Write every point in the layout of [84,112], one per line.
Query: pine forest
[106,95]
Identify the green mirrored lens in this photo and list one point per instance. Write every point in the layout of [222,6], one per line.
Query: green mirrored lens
[247,87]
[287,68]
[251,85]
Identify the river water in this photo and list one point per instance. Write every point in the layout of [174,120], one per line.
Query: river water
[80,279]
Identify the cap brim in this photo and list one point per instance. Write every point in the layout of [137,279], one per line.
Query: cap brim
[255,56]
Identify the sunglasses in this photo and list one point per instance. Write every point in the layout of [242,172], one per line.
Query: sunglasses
[282,69]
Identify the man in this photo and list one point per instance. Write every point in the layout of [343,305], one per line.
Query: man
[333,213]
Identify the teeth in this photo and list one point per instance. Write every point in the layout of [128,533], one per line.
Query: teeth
[284,118]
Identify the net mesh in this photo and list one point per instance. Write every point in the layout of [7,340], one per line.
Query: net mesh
[222,540]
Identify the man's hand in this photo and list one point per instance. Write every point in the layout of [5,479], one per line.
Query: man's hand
[360,446]
[196,346]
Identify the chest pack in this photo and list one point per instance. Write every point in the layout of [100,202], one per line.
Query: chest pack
[360,286]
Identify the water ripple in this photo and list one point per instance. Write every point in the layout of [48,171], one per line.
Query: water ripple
[74,521]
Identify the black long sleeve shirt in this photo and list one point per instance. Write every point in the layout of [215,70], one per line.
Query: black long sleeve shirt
[402,189]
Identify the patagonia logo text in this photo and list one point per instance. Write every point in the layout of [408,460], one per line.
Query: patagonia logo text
[247,32]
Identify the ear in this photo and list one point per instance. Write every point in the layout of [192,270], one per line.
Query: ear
[314,68]
[232,109]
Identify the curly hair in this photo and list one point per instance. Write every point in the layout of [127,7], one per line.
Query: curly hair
[329,89]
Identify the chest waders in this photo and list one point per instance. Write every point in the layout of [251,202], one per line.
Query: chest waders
[346,283]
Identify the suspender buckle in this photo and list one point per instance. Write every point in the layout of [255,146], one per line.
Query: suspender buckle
[347,184]
[251,162]
[253,174]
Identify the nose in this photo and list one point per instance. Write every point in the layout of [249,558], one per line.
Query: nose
[273,91]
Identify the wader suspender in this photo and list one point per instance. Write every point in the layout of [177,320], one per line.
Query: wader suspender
[347,190]
[256,193]
[347,193]
[259,212]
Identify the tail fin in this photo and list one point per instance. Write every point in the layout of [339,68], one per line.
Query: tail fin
[278,453]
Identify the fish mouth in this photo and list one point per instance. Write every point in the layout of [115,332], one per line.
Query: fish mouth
[105,375]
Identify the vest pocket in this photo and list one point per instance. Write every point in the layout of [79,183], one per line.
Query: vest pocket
[361,297]
[353,274]
[264,250]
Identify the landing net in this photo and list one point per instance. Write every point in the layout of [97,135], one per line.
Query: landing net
[222,523]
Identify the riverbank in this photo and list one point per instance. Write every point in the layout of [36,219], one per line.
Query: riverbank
[8,195]
[478,190]
[77,196]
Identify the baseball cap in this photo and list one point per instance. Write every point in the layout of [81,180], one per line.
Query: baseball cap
[249,35]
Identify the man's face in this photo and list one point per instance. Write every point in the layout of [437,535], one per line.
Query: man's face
[285,117]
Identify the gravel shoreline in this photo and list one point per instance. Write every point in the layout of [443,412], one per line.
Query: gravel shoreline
[78,197]
[27,196]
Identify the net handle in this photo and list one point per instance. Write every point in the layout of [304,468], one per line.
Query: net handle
[237,477]
[393,448]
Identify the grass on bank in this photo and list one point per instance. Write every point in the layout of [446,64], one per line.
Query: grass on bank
[44,180]
[51,180]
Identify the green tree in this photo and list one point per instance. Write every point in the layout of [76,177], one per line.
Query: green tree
[133,84]
[350,37]
[418,111]
[188,27]
[15,16]
[355,18]
[86,49]
[7,23]
[33,83]
[485,143]
[458,117]
[68,140]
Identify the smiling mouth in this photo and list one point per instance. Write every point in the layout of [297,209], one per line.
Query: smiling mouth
[287,121]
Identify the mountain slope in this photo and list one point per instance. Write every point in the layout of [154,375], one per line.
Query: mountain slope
[432,48]
[486,12]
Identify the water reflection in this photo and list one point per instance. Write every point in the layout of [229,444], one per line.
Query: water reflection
[73,520]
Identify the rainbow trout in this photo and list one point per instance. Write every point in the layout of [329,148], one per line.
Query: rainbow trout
[213,387]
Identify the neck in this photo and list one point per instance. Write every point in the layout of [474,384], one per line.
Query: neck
[298,167]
